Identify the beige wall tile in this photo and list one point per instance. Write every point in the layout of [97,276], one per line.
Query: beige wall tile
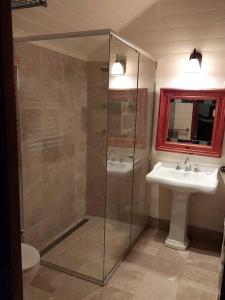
[52,108]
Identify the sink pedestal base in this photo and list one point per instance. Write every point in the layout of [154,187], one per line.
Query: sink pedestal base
[178,238]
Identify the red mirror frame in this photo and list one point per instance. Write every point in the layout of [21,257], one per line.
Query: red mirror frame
[213,150]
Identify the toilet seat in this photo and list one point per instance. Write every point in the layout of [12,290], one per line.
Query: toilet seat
[30,258]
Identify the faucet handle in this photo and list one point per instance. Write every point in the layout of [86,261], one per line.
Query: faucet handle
[196,169]
[113,155]
[178,167]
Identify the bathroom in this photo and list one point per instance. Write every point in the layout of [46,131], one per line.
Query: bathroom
[101,114]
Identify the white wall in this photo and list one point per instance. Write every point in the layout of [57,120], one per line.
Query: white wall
[205,211]
[170,30]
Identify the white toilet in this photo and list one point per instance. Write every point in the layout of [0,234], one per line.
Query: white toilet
[30,263]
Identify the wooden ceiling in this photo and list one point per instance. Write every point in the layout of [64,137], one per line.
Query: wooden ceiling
[77,15]
[160,27]
[178,26]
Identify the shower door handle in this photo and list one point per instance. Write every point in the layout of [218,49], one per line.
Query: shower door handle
[103,132]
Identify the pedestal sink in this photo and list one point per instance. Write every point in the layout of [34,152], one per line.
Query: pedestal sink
[201,179]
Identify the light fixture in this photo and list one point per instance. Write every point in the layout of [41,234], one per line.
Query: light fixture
[195,62]
[119,66]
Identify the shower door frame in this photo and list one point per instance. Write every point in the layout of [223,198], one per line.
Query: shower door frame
[110,33]
[59,36]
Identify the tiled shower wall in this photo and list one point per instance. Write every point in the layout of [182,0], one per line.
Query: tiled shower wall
[116,191]
[97,99]
[52,108]
[62,109]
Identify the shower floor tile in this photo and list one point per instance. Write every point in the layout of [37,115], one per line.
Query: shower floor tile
[150,272]
[83,250]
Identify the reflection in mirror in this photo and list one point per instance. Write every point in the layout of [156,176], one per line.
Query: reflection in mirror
[128,117]
[122,120]
[191,121]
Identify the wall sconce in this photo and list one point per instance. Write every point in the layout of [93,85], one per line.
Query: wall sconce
[195,62]
[119,66]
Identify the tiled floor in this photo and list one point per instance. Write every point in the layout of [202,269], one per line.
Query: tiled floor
[82,251]
[150,272]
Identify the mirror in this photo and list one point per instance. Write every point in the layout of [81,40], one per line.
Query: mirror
[191,121]
[128,113]
[122,118]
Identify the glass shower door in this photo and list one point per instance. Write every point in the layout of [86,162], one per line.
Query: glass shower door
[145,100]
[122,109]
[63,122]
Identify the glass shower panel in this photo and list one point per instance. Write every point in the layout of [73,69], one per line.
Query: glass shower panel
[120,152]
[146,82]
[63,114]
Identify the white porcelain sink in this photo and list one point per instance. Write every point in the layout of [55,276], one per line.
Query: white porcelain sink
[200,179]
[165,173]
[121,168]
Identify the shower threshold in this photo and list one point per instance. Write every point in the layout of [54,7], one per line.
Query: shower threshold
[63,236]
[80,252]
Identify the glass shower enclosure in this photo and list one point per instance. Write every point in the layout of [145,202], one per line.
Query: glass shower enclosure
[84,106]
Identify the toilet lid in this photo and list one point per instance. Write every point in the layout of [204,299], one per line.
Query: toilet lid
[30,257]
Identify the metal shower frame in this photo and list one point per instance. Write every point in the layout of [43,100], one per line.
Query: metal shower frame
[69,35]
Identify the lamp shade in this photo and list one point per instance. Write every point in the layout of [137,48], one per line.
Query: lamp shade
[195,61]
[117,69]
[193,66]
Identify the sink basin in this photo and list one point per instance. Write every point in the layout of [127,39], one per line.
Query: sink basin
[182,184]
[121,168]
[165,173]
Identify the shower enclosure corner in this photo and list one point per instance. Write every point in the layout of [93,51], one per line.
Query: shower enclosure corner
[84,137]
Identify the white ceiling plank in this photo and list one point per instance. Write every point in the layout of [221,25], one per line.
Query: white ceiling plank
[29,26]
[180,21]
[76,15]
[169,26]
[71,15]
[54,22]
[102,10]
[170,1]
[205,45]
[181,34]
[185,7]
[177,26]
[47,27]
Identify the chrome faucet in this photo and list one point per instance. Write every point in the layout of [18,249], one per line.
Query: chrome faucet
[178,167]
[113,155]
[187,165]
